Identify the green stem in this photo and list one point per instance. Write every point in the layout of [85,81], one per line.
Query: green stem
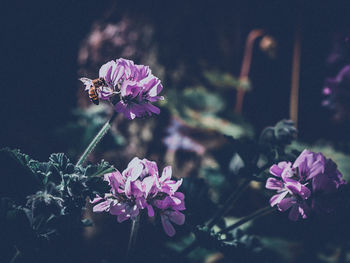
[230,202]
[259,213]
[133,236]
[13,260]
[342,254]
[96,140]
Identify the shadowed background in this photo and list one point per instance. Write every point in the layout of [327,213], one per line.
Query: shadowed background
[40,43]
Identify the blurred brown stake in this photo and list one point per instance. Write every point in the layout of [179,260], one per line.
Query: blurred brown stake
[294,92]
[247,59]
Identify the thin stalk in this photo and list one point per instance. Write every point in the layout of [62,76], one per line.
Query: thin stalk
[230,202]
[259,213]
[133,236]
[294,92]
[247,59]
[18,253]
[96,140]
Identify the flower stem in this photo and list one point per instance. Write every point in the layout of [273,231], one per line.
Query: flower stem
[247,59]
[230,202]
[96,140]
[294,92]
[259,213]
[133,236]
[14,258]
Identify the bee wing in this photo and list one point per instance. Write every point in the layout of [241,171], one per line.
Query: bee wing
[87,82]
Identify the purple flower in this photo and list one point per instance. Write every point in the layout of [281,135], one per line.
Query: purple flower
[177,140]
[139,187]
[290,193]
[132,88]
[323,172]
[337,94]
[311,175]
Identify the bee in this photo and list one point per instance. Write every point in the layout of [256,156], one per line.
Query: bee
[93,85]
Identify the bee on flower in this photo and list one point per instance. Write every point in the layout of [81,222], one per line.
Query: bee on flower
[129,87]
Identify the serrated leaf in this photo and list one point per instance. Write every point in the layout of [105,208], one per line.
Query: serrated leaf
[16,154]
[18,180]
[100,169]
[59,160]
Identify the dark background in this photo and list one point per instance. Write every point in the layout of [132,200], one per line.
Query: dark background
[40,41]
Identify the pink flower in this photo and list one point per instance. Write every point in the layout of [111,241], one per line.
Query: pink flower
[290,193]
[139,187]
[311,176]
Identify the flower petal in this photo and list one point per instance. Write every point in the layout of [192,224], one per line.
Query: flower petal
[277,198]
[285,204]
[103,206]
[294,213]
[177,217]
[167,226]
[274,184]
[166,174]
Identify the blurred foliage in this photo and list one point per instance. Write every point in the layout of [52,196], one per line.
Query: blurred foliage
[237,246]
[201,109]
[226,80]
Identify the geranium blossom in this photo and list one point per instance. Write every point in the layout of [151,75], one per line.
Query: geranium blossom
[132,88]
[291,193]
[140,187]
[309,176]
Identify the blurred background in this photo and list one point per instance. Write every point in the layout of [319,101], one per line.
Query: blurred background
[48,45]
[207,54]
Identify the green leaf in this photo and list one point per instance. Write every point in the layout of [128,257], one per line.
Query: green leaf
[198,98]
[18,180]
[61,162]
[221,79]
[100,169]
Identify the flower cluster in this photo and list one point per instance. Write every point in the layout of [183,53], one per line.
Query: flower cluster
[140,187]
[135,84]
[309,176]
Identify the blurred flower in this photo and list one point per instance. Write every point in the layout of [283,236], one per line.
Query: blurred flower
[176,140]
[139,187]
[136,86]
[337,94]
[311,175]
[339,52]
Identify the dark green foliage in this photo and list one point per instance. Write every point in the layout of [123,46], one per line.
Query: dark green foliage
[283,133]
[200,108]
[197,196]
[50,205]
[237,245]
